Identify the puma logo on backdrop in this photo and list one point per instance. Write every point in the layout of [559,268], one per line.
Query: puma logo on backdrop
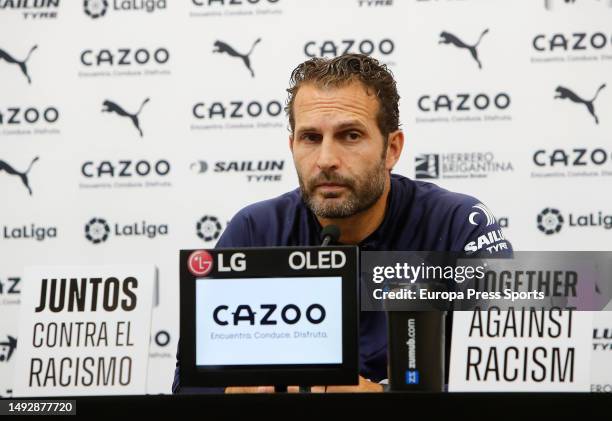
[7,348]
[448,38]
[222,47]
[565,93]
[21,63]
[5,166]
[113,107]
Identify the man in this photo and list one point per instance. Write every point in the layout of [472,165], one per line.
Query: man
[345,140]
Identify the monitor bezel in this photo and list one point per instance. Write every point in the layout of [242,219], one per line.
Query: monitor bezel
[263,263]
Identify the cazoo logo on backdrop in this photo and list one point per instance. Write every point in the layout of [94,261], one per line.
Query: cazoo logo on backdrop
[572,46]
[551,220]
[125,173]
[553,5]
[574,162]
[374,3]
[124,61]
[99,230]
[97,9]
[31,9]
[253,171]
[10,290]
[237,113]
[459,165]
[463,107]
[380,48]
[27,120]
[242,8]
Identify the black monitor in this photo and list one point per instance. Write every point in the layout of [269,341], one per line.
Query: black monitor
[269,316]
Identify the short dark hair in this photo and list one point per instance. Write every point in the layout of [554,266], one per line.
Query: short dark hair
[341,70]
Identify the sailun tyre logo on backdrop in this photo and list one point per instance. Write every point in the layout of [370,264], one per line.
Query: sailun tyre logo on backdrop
[550,221]
[97,230]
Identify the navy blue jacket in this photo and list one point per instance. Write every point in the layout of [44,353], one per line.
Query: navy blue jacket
[419,216]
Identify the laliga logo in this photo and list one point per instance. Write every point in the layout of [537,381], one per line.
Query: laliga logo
[95,8]
[550,221]
[201,263]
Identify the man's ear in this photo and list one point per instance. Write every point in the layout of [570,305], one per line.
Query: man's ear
[395,145]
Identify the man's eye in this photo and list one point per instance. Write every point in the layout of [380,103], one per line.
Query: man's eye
[353,135]
[311,137]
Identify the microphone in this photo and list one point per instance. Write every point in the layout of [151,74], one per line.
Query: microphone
[329,234]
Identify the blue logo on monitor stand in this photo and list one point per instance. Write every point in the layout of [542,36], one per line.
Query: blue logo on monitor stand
[412,377]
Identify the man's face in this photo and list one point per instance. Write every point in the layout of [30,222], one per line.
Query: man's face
[338,149]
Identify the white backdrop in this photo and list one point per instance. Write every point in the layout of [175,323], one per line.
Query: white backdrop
[206,110]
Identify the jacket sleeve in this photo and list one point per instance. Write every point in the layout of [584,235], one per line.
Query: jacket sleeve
[479,233]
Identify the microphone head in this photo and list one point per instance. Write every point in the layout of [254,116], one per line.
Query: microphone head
[331,231]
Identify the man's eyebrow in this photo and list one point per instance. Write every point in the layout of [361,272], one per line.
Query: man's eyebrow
[349,124]
[306,129]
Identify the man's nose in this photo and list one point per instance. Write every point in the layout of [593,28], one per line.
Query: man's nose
[329,155]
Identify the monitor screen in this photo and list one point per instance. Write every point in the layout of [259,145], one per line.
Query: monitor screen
[269,321]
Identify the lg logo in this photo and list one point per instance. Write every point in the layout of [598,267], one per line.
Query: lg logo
[290,314]
[201,263]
